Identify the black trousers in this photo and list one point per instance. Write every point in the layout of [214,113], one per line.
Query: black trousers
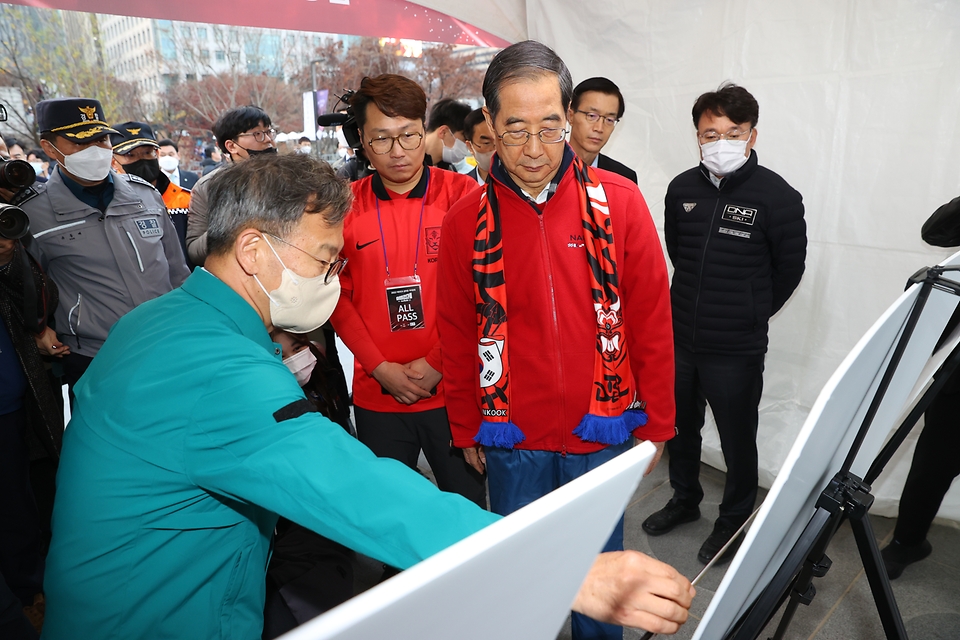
[401,436]
[74,366]
[935,465]
[21,561]
[732,386]
[13,623]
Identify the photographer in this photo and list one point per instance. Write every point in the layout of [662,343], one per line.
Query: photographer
[29,412]
[935,463]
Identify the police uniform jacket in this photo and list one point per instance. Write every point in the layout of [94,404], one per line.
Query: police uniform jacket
[189,437]
[738,252]
[104,263]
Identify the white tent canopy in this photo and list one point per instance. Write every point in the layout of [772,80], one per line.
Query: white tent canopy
[858,111]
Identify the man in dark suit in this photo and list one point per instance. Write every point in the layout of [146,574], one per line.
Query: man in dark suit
[170,165]
[596,109]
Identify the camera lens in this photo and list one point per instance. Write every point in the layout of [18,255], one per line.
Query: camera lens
[14,223]
[16,175]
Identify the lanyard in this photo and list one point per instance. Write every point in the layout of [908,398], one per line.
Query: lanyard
[383,242]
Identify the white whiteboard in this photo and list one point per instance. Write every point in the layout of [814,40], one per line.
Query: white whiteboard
[823,443]
[514,579]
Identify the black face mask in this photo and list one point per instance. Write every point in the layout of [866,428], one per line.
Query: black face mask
[257,152]
[147,168]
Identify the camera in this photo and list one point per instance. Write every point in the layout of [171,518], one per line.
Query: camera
[14,223]
[347,121]
[16,174]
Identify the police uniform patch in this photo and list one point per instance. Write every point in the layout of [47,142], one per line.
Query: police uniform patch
[148,228]
[739,213]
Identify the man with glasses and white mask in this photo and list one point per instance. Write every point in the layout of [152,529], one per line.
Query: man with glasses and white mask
[595,110]
[241,133]
[387,313]
[481,143]
[568,258]
[737,239]
[103,237]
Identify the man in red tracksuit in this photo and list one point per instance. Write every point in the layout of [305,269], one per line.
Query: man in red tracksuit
[518,253]
[387,311]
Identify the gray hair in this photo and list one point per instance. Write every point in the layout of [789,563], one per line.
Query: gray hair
[527,60]
[272,193]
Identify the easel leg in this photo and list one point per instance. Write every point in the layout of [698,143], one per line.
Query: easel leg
[877,577]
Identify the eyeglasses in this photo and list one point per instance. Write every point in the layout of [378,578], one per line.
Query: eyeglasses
[142,152]
[593,118]
[260,136]
[384,144]
[333,268]
[520,138]
[486,145]
[713,136]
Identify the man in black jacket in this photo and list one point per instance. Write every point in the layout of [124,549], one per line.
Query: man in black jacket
[595,110]
[737,239]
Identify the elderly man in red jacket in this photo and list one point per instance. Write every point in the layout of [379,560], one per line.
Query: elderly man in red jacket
[553,304]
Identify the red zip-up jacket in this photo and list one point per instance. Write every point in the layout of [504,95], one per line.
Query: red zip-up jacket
[361,317]
[551,321]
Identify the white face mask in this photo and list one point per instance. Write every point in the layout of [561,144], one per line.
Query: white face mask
[301,365]
[304,148]
[37,168]
[483,160]
[169,164]
[299,304]
[456,153]
[723,157]
[91,164]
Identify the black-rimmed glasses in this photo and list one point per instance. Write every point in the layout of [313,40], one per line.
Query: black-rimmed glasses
[383,145]
[260,136]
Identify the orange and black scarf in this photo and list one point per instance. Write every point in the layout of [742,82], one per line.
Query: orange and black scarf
[613,413]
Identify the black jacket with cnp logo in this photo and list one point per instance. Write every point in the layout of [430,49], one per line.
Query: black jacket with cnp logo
[738,254]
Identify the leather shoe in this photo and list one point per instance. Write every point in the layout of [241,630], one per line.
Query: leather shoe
[670,516]
[897,556]
[715,541]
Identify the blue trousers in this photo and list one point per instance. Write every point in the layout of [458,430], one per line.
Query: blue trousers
[518,477]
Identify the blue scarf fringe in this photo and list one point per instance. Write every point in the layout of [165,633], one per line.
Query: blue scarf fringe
[504,435]
[610,429]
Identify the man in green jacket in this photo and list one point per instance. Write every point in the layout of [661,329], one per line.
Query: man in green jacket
[190,436]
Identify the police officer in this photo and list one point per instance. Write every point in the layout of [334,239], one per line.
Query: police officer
[103,237]
[136,151]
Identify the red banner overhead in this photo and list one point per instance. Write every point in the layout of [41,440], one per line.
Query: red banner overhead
[376,18]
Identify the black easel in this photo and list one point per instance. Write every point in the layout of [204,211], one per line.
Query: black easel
[848,496]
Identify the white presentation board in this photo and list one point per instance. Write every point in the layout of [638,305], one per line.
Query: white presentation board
[823,443]
[514,579]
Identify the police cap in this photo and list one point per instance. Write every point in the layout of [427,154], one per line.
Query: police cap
[77,119]
[131,135]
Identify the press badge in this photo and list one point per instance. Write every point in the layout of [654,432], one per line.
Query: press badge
[404,303]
